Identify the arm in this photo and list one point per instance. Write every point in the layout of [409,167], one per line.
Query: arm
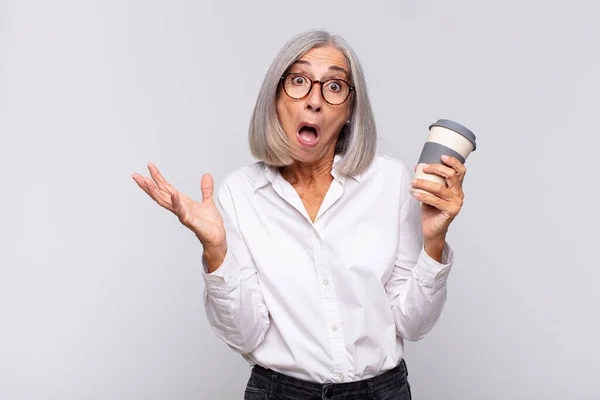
[417,286]
[233,299]
[232,296]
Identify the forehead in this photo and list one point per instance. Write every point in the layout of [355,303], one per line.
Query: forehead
[325,57]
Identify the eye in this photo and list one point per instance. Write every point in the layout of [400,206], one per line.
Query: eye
[298,80]
[335,86]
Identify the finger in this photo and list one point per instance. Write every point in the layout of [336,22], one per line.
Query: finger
[140,181]
[179,210]
[176,201]
[207,187]
[157,195]
[160,180]
[451,208]
[455,163]
[164,188]
[450,174]
[435,188]
[147,185]
[150,188]
[440,170]
[431,199]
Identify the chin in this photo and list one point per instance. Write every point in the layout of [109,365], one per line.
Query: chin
[308,156]
[304,157]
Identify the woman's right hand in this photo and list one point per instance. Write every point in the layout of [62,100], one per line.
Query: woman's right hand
[202,218]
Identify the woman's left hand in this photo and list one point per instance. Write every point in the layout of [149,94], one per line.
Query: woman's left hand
[443,203]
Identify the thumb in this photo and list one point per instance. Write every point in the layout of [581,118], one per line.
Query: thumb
[207,186]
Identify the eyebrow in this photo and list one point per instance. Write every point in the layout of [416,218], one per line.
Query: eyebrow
[331,68]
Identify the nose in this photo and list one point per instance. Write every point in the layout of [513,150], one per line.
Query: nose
[314,100]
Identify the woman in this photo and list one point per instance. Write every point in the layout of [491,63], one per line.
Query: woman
[318,262]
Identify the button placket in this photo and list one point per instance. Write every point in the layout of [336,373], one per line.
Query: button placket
[330,306]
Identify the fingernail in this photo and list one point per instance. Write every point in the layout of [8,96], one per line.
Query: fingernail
[445,157]
[413,181]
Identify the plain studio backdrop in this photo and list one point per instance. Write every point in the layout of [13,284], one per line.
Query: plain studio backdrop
[100,288]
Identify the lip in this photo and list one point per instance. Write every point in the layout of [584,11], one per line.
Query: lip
[304,143]
[315,126]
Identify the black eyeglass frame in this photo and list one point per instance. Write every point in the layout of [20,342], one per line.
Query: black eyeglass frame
[322,83]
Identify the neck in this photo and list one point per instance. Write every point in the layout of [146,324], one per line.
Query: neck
[308,174]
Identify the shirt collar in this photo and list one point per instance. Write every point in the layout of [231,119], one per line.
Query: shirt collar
[269,173]
[336,175]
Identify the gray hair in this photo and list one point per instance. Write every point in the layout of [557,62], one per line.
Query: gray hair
[357,140]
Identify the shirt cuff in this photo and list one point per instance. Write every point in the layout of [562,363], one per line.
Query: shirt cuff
[431,273]
[223,279]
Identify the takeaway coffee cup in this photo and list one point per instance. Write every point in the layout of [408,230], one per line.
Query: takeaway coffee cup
[445,138]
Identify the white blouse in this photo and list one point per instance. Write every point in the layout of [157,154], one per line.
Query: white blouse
[329,301]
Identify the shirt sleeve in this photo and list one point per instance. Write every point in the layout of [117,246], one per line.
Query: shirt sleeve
[233,299]
[417,285]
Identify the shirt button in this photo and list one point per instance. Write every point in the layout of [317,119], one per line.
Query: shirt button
[325,282]
[334,328]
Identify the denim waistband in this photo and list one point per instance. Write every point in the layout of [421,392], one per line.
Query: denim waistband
[276,382]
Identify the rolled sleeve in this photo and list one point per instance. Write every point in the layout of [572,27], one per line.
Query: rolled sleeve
[223,279]
[233,298]
[431,273]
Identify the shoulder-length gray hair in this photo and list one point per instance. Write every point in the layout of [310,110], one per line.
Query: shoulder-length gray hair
[357,140]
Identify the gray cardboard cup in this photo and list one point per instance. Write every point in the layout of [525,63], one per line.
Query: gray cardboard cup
[445,138]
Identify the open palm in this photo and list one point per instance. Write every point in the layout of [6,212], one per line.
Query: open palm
[202,218]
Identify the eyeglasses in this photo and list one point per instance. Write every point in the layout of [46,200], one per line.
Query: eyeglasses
[334,91]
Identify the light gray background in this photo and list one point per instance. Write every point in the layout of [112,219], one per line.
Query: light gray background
[100,288]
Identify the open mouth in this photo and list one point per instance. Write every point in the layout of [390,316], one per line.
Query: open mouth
[308,135]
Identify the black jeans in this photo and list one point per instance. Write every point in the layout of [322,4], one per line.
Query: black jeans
[265,384]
